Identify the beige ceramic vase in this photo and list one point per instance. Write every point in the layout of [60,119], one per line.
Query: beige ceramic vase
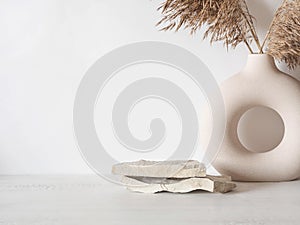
[262,138]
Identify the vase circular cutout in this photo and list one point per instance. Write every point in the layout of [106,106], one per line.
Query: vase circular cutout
[260,129]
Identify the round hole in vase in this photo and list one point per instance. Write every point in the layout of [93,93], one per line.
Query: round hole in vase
[260,129]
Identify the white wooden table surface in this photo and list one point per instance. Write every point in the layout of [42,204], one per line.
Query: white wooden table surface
[85,200]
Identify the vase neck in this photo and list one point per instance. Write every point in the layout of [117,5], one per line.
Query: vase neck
[258,63]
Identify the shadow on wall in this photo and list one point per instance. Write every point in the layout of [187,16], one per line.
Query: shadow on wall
[294,73]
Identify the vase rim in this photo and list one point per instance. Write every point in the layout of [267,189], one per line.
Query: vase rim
[259,54]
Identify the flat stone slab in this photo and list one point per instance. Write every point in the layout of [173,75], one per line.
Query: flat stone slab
[165,169]
[220,184]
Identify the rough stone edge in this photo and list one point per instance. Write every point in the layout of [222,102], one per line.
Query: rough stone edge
[192,168]
[182,186]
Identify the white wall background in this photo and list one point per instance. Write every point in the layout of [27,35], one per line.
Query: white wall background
[46,47]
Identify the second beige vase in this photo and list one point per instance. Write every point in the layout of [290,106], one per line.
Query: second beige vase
[262,138]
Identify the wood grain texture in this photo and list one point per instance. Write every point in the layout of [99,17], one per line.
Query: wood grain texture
[89,200]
